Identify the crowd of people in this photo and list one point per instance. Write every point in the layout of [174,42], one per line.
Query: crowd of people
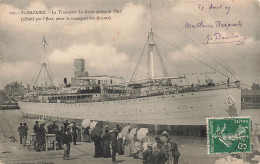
[40,133]
[107,141]
[65,135]
[163,150]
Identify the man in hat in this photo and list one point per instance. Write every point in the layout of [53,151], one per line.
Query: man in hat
[66,140]
[147,154]
[40,137]
[158,156]
[114,143]
[20,130]
[25,133]
[36,127]
[164,137]
[171,148]
[173,151]
[54,125]
[164,144]
[58,135]
[74,132]
[49,128]
[66,124]
[35,130]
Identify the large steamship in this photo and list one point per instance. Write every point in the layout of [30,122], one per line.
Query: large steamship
[156,101]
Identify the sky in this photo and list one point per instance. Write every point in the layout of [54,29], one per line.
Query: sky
[113,47]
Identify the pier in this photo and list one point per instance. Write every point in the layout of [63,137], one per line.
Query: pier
[192,149]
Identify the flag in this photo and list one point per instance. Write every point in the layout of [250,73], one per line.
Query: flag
[44,41]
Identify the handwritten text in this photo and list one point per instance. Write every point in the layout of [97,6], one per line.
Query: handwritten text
[217,24]
[219,38]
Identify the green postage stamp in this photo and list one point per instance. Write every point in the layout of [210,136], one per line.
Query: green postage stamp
[228,135]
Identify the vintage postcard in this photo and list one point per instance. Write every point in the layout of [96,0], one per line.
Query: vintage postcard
[110,81]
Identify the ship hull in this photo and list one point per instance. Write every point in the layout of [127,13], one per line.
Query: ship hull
[189,108]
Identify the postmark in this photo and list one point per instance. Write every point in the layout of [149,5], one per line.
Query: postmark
[228,135]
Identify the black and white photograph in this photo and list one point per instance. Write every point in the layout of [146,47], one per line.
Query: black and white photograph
[131,82]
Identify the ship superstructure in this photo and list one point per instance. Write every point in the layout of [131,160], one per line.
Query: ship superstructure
[150,100]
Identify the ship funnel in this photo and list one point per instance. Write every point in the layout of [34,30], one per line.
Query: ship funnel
[79,65]
[79,68]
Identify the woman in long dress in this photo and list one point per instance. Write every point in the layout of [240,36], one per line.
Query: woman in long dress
[120,144]
[127,144]
[132,144]
[86,134]
[137,147]
[106,152]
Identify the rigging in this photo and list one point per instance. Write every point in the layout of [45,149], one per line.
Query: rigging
[217,59]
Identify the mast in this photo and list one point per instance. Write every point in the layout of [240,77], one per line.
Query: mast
[152,49]
[44,66]
[151,44]
[44,62]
